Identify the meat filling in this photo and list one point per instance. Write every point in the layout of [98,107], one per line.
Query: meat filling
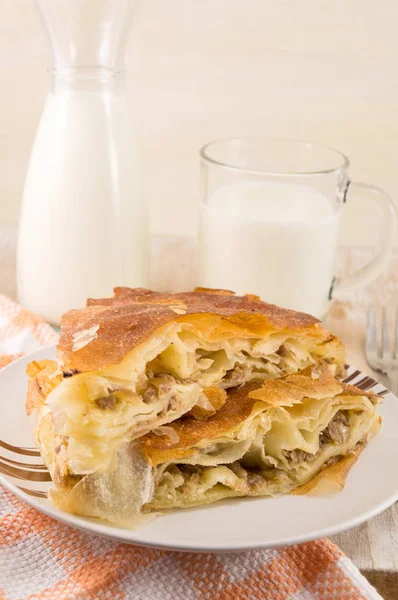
[183,477]
[256,479]
[106,402]
[234,377]
[337,431]
[158,385]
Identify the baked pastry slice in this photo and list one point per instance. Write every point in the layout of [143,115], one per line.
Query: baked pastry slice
[141,359]
[271,437]
[266,439]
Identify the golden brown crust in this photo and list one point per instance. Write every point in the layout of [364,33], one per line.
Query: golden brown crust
[216,397]
[238,406]
[190,431]
[43,378]
[108,329]
[204,290]
[294,388]
[351,390]
[331,479]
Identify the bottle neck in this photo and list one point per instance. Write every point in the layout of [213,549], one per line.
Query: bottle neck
[83,33]
[86,79]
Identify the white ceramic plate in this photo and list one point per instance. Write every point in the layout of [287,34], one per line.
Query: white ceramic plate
[238,524]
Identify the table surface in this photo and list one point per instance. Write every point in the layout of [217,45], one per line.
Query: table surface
[372,546]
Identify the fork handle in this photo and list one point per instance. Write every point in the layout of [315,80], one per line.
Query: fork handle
[393,379]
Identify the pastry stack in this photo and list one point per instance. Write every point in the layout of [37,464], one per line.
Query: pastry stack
[164,401]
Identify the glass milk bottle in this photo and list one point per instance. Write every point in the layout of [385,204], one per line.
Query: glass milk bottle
[83,227]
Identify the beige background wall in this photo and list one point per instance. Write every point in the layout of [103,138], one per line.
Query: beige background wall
[323,70]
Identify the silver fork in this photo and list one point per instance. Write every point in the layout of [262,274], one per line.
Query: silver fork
[381,353]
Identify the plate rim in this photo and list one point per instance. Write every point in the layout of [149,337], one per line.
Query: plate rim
[127,536]
[124,535]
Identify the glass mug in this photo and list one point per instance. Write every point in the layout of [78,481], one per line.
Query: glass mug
[270,219]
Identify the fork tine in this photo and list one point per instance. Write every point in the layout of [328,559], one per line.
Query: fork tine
[396,334]
[371,332]
[384,334]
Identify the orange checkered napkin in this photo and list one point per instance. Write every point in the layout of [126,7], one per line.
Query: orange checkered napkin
[43,559]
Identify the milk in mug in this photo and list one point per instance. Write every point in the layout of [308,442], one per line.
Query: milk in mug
[273,239]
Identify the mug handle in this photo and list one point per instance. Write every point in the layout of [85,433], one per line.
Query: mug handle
[370,271]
